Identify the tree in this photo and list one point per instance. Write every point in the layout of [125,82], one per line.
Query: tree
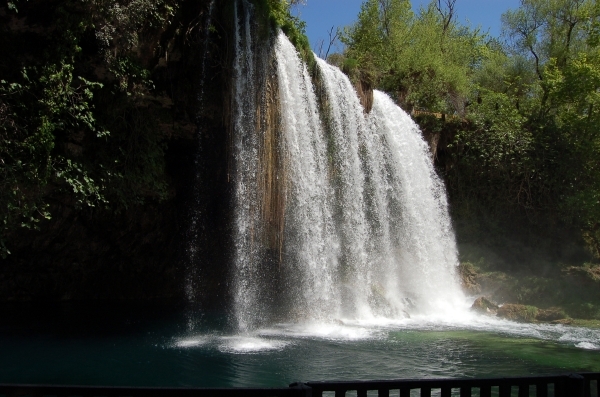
[424,60]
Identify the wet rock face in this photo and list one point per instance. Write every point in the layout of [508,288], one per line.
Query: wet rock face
[485,306]
[468,278]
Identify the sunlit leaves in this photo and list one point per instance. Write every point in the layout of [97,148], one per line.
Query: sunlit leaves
[421,59]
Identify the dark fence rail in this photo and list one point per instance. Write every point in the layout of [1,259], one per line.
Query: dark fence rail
[571,385]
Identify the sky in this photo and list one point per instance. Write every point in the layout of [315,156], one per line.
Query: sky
[321,15]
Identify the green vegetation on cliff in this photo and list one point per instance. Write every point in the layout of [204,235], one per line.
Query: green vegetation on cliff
[279,15]
[74,119]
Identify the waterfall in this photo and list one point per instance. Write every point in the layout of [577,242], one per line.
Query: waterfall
[247,255]
[338,214]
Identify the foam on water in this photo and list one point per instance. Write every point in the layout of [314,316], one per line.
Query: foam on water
[587,346]
[283,335]
[193,341]
[235,344]
[329,331]
[247,344]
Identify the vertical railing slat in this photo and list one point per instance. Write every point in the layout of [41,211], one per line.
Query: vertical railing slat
[425,391]
[524,390]
[465,391]
[576,385]
[446,391]
[485,391]
[541,390]
[383,393]
[559,388]
[505,390]
[404,392]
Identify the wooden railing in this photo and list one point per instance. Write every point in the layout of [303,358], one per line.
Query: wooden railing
[571,385]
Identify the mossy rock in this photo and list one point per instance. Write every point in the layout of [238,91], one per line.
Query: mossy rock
[485,306]
[520,313]
[550,315]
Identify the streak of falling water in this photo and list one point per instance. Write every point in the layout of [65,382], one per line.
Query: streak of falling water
[312,246]
[360,183]
[207,26]
[248,306]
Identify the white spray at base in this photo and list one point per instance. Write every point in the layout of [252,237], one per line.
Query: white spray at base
[367,233]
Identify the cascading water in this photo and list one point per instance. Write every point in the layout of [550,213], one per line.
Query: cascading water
[248,304]
[311,245]
[424,252]
[363,227]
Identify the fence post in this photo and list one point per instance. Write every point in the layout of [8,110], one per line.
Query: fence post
[505,388]
[575,385]
[541,389]
[383,393]
[303,389]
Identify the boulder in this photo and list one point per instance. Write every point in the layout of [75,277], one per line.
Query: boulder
[485,306]
[516,312]
[550,315]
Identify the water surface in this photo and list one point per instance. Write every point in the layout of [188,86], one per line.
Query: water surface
[162,345]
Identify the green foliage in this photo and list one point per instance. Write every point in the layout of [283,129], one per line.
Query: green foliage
[50,113]
[279,15]
[136,170]
[42,102]
[531,146]
[573,99]
[423,59]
